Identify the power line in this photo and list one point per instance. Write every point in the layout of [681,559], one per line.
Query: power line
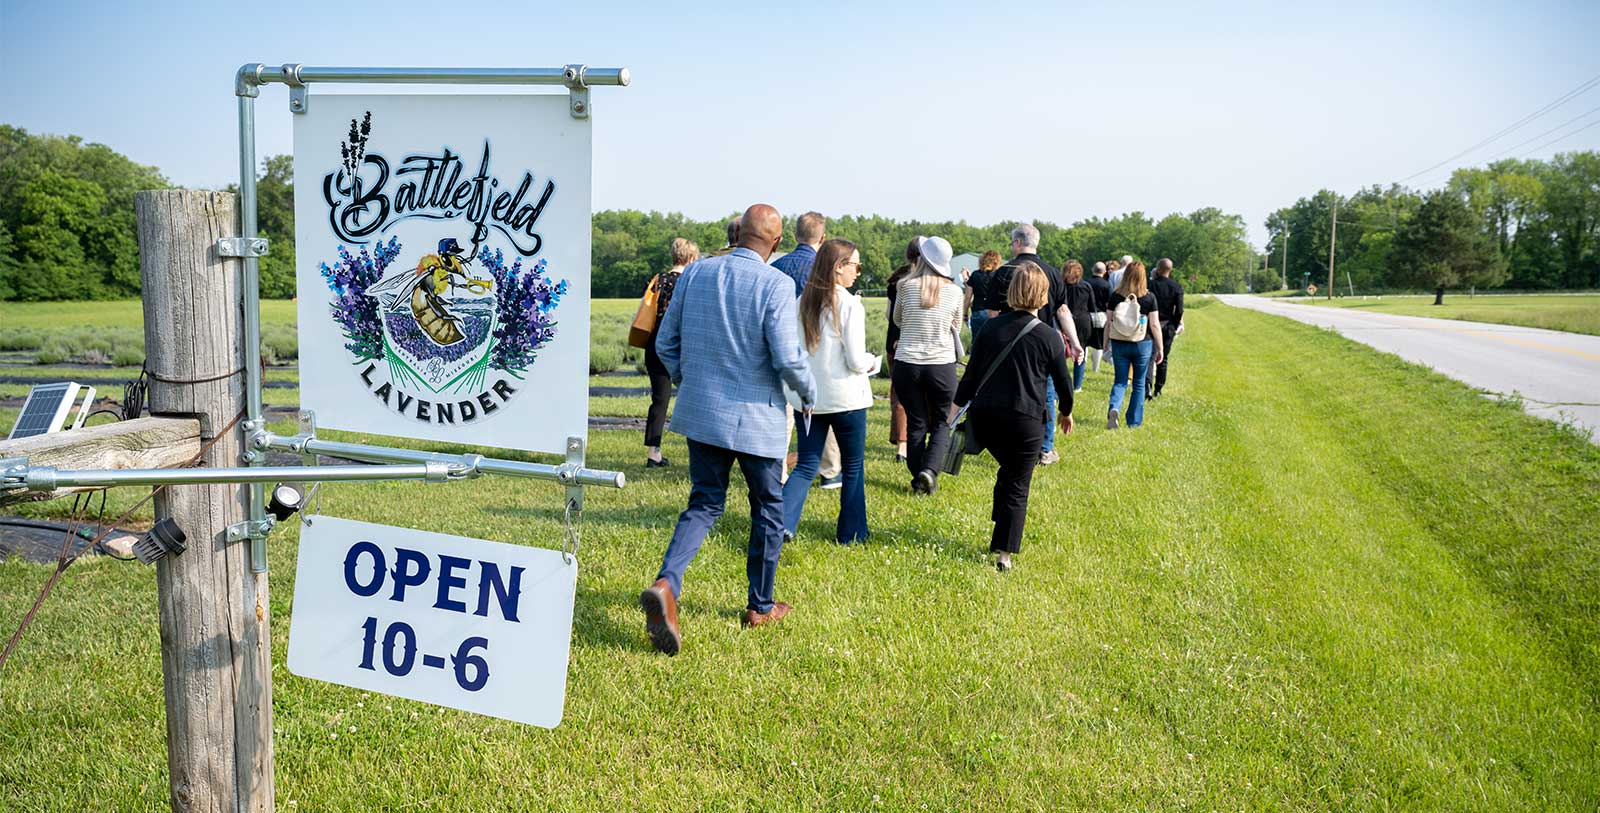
[1567,97]
[1560,139]
[1545,133]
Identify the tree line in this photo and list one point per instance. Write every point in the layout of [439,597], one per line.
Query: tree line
[67,231]
[1517,224]
[1208,246]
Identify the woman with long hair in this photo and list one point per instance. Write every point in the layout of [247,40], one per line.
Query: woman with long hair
[928,311]
[683,253]
[1080,303]
[897,413]
[833,324]
[1008,409]
[1133,331]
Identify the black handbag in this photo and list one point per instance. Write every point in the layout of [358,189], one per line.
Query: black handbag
[963,441]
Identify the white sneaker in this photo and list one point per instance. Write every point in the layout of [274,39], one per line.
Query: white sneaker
[1049,457]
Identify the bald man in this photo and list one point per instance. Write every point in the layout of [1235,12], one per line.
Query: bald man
[729,340]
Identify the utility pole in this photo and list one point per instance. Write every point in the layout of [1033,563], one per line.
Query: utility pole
[1285,265]
[1333,240]
[215,652]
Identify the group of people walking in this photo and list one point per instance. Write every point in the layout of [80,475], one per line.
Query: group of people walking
[759,352]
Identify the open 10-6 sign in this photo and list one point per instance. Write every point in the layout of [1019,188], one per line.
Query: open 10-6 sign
[475,625]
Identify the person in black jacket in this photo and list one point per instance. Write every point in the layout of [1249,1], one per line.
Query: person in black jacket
[1102,300]
[1080,304]
[1169,304]
[1008,416]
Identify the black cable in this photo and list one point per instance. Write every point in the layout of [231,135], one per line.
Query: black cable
[133,396]
[1567,97]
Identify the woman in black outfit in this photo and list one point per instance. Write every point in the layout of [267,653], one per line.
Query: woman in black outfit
[1008,415]
[1102,300]
[683,253]
[1080,303]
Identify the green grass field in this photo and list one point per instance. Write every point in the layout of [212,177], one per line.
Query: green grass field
[1289,590]
[1576,313]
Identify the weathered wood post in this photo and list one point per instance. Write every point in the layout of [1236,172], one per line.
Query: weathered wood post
[216,660]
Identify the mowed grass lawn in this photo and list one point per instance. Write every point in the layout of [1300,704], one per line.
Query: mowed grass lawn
[1575,313]
[1342,584]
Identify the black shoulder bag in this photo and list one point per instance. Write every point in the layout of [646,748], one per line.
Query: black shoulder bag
[962,440]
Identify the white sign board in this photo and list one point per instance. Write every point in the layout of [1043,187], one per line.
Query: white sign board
[442,267]
[475,625]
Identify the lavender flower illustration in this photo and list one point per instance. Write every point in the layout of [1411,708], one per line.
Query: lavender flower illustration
[524,301]
[357,313]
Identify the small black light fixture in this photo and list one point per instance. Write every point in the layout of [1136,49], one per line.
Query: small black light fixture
[164,539]
[286,499]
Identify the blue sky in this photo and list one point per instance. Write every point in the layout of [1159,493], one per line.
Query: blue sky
[1055,111]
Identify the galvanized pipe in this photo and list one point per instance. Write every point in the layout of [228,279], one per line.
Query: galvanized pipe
[45,478]
[256,505]
[567,475]
[289,74]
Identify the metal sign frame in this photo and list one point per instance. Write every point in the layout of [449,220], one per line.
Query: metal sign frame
[577,78]
[249,246]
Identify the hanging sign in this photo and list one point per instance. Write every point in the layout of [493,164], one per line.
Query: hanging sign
[465,623]
[442,267]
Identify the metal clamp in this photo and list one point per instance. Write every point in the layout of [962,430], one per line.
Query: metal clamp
[577,90]
[258,529]
[13,473]
[242,247]
[299,94]
[255,442]
[572,513]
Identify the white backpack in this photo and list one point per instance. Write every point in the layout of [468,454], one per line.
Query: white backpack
[1127,323]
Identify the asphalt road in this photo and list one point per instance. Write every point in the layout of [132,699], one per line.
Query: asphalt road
[1557,374]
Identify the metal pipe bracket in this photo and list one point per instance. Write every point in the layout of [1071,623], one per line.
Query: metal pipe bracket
[577,90]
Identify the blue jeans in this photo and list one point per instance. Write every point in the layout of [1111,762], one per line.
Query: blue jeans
[1077,372]
[850,430]
[708,494]
[1050,416]
[1134,358]
[980,317]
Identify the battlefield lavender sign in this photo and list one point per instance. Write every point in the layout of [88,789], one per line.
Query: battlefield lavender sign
[442,250]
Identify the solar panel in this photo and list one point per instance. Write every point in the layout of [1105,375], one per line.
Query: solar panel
[46,409]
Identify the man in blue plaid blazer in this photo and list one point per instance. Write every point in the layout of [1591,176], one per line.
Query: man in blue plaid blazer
[730,341]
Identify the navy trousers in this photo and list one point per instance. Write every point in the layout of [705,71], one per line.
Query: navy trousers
[709,467]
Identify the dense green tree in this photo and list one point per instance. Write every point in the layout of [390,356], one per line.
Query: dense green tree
[68,207]
[1572,192]
[1444,245]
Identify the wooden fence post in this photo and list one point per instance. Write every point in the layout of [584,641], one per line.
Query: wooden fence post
[216,658]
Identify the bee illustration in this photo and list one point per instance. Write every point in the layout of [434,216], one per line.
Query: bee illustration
[424,289]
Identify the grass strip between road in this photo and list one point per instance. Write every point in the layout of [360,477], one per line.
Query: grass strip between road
[1574,313]
[1317,578]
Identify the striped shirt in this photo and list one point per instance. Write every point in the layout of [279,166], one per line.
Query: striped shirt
[927,335]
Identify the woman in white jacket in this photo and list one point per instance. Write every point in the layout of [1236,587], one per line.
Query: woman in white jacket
[833,324]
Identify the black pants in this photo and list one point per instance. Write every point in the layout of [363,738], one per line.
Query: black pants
[1158,372]
[1014,440]
[660,395]
[925,391]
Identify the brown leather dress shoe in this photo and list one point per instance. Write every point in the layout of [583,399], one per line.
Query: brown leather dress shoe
[661,617]
[755,619]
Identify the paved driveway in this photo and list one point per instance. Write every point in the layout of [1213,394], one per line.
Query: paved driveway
[1557,374]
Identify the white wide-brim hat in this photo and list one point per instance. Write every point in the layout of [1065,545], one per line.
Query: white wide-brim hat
[936,253]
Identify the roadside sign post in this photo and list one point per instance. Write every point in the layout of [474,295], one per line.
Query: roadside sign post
[448,346]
